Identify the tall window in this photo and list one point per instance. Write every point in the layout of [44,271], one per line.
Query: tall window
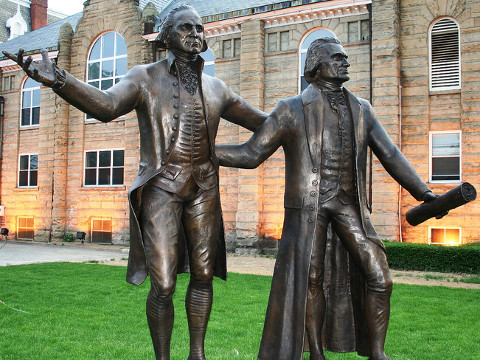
[307,41]
[209,65]
[237,47]
[445,55]
[284,40]
[445,156]
[104,168]
[107,62]
[272,45]
[227,48]
[28,170]
[25,228]
[30,103]
[101,231]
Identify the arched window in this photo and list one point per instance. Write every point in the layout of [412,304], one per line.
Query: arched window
[209,65]
[30,103]
[445,55]
[306,42]
[107,62]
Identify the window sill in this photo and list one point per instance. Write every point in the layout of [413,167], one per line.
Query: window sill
[26,188]
[453,183]
[357,43]
[96,121]
[103,187]
[29,127]
[445,92]
[280,52]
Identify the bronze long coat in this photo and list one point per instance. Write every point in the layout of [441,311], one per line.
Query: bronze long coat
[296,124]
[153,91]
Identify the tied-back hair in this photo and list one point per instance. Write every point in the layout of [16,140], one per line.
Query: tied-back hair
[315,55]
[163,37]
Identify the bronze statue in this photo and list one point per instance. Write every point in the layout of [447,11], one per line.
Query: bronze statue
[325,132]
[175,219]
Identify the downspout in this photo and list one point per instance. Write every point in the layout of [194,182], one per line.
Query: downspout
[400,147]
[2,117]
[370,153]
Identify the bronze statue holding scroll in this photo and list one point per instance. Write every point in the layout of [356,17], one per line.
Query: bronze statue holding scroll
[325,132]
[176,222]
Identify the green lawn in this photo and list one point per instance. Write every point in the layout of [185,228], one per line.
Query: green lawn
[87,311]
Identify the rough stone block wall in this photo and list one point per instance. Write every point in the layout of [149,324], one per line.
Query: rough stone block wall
[386,88]
[424,111]
[84,203]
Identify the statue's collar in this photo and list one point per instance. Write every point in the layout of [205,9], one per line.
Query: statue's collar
[313,93]
[171,62]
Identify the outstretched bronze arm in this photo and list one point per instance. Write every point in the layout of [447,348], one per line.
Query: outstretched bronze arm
[102,105]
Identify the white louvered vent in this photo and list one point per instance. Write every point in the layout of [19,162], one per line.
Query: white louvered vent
[445,55]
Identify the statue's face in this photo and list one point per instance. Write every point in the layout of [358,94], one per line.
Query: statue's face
[187,32]
[334,64]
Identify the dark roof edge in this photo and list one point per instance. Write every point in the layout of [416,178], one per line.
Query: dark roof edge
[257,10]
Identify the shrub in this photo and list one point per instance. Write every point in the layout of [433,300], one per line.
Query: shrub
[68,238]
[422,257]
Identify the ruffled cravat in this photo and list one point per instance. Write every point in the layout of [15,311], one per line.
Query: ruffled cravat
[187,71]
[336,100]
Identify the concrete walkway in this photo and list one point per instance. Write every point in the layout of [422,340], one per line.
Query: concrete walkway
[16,253]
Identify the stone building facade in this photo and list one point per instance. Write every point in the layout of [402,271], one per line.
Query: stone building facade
[62,172]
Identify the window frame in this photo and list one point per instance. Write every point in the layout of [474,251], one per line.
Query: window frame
[445,228]
[28,170]
[92,230]
[10,80]
[98,167]
[433,88]
[115,78]
[271,42]
[32,229]
[302,51]
[232,51]
[359,33]
[431,157]
[280,38]
[32,90]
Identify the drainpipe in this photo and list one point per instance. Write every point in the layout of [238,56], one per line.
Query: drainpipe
[2,116]
[400,147]
[370,154]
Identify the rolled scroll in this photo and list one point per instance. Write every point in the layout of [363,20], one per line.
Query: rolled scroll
[452,199]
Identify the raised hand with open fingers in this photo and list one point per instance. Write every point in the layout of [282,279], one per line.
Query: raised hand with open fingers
[44,71]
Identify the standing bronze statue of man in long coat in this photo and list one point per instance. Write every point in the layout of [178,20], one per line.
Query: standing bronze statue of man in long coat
[175,223]
[325,132]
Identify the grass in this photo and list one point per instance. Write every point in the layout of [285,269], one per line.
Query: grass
[87,311]
[435,277]
[470,279]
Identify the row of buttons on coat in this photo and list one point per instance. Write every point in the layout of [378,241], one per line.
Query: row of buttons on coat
[175,127]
